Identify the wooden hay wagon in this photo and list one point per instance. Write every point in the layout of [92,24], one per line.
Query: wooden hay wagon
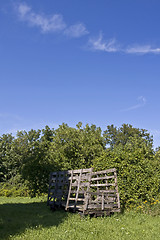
[85,191]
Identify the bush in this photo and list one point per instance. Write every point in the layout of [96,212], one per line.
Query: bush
[152,208]
[137,169]
[15,191]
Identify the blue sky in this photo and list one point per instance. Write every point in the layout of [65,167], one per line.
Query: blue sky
[69,61]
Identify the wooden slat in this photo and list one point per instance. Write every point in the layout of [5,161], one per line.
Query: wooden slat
[110,193]
[80,191]
[85,170]
[77,177]
[105,206]
[71,205]
[104,171]
[103,203]
[103,185]
[79,181]
[69,192]
[101,178]
[78,199]
[115,175]
[83,184]
[87,194]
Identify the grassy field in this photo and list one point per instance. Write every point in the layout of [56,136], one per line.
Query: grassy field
[26,218]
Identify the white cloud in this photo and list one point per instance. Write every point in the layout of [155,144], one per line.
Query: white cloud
[76,30]
[100,44]
[142,102]
[46,23]
[23,9]
[54,23]
[142,50]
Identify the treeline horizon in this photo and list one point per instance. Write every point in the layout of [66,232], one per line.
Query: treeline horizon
[27,159]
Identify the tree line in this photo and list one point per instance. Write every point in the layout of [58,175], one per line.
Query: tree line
[27,159]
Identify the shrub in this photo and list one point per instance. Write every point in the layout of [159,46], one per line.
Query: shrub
[138,171]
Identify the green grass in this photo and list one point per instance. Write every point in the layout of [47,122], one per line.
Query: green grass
[26,218]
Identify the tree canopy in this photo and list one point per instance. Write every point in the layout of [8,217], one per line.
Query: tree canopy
[29,157]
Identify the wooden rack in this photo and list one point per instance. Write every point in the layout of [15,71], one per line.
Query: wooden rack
[85,191]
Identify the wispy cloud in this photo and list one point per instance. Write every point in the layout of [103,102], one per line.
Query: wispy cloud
[23,9]
[111,45]
[141,103]
[142,50]
[53,23]
[100,44]
[76,30]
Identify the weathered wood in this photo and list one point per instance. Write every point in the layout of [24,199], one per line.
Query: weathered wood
[101,178]
[85,191]
[84,170]
[104,171]
[102,185]
[115,175]
[78,187]
[103,201]
[78,199]
[95,206]
[69,191]
[87,195]
[110,192]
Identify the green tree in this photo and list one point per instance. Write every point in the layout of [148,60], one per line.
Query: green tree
[6,163]
[115,136]
[131,153]
[73,148]
[36,167]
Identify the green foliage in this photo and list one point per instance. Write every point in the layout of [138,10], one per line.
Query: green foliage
[14,187]
[7,165]
[115,136]
[152,208]
[73,148]
[27,159]
[35,166]
[24,156]
[138,169]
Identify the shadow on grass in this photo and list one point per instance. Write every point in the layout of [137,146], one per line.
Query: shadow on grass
[16,217]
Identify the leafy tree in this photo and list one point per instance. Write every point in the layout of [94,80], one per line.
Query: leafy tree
[36,167]
[115,136]
[31,156]
[131,153]
[6,163]
[75,147]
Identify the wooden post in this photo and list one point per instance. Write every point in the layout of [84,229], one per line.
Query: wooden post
[88,188]
[116,186]
[102,201]
[69,193]
[79,181]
